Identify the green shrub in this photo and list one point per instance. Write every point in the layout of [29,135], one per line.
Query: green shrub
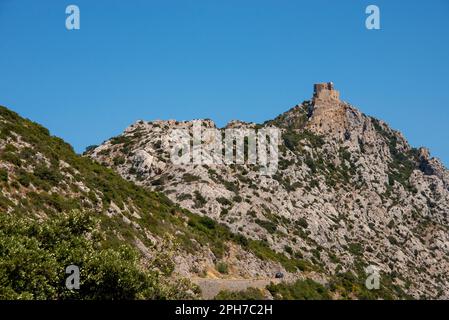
[392,240]
[183,196]
[208,222]
[50,175]
[24,178]
[300,290]
[248,294]
[288,249]
[268,225]
[222,267]
[237,198]
[119,160]
[11,158]
[90,148]
[188,177]
[120,140]
[231,186]
[302,222]
[355,248]
[264,252]
[3,175]
[292,139]
[223,201]
[5,203]
[34,255]
[200,201]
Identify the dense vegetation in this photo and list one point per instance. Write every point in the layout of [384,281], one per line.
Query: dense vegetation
[300,290]
[34,256]
[248,294]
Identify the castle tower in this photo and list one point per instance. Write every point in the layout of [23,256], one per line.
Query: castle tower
[325,91]
[327,114]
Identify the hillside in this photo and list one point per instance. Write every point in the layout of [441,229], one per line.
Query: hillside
[58,208]
[349,192]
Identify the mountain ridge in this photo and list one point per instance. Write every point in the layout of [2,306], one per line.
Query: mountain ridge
[339,171]
[349,195]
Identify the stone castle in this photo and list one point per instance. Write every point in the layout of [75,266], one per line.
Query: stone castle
[327,113]
[325,91]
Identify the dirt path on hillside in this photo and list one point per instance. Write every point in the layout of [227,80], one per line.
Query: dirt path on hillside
[211,287]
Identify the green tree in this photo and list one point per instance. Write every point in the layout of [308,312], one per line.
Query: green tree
[33,258]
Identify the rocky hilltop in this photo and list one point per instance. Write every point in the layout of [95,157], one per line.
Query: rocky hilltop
[349,192]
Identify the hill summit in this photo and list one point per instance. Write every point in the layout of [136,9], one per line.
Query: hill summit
[350,193]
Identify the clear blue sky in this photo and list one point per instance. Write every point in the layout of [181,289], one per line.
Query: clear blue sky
[223,59]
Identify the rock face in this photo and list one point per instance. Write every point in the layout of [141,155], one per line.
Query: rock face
[349,192]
